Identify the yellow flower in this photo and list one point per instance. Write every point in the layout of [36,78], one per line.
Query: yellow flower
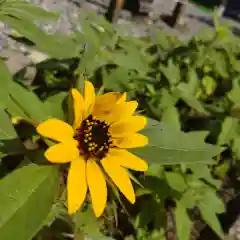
[104,127]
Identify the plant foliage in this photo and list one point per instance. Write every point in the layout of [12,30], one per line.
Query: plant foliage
[190,92]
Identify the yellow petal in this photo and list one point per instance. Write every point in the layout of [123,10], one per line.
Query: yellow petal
[127,159]
[56,130]
[126,127]
[120,177]
[123,98]
[132,141]
[76,185]
[78,107]
[108,99]
[89,98]
[118,111]
[97,186]
[132,106]
[125,110]
[62,152]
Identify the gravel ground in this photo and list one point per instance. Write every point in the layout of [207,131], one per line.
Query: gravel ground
[195,19]
[234,232]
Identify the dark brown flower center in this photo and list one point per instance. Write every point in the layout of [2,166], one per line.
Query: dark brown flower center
[94,138]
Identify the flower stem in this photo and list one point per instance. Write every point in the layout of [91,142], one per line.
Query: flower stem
[101,90]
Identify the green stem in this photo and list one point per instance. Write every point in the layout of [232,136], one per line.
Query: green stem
[101,90]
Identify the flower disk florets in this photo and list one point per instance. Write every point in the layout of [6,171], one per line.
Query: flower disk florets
[94,138]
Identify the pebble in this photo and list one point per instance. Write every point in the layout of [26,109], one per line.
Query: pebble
[234,231]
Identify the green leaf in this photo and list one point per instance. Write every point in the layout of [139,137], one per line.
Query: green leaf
[182,92]
[222,169]
[9,141]
[58,210]
[90,35]
[171,116]
[98,21]
[236,147]
[163,39]
[228,131]
[15,110]
[170,146]
[155,186]
[152,211]
[210,198]
[117,79]
[129,238]
[188,198]
[183,222]
[219,62]
[209,216]
[235,111]
[209,84]
[6,77]
[155,170]
[88,60]
[202,171]
[236,65]
[131,60]
[86,224]
[28,102]
[27,10]
[6,80]
[223,31]
[58,45]
[147,213]
[167,99]
[55,105]
[26,199]
[7,130]
[176,181]
[171,72]
[193,80]
[234,95]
